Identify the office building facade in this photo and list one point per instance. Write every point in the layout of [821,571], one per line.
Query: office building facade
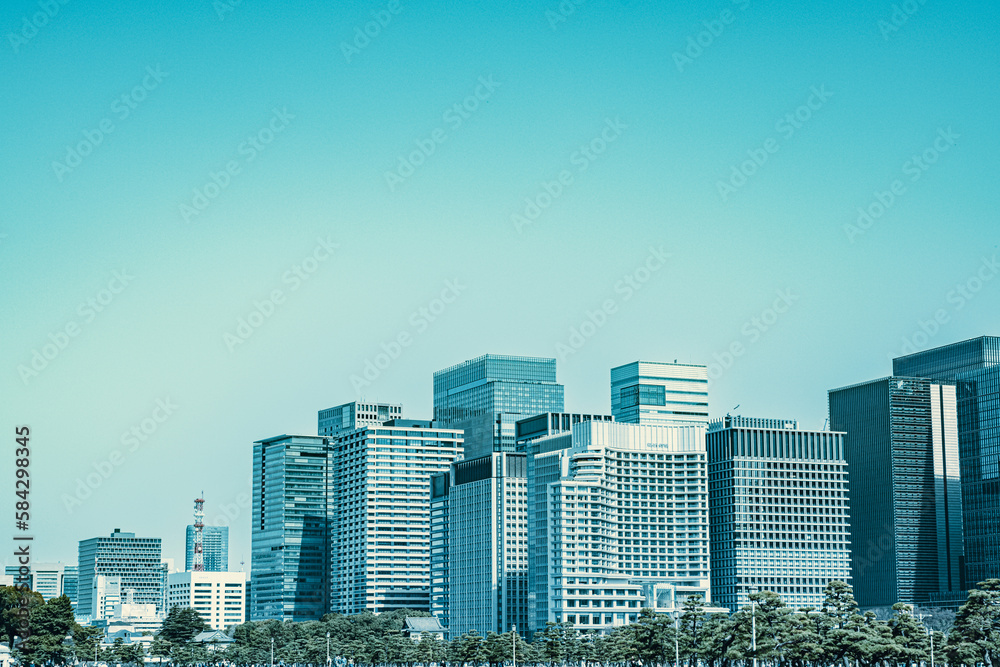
[214,548]
[619,521]
[50,580]
[549,423]
[348,417]
[904,488]
[440,588]
[218,597]
[974,366]
[290,533]
[485,396]
[380,537]
[136,560]
[778,514]
[660,394]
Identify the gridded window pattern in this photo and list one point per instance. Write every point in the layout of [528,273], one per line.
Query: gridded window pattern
[380,542]
[627,518]
[655,393]
[219,597]
[215,548]
[778,514]
[135,559]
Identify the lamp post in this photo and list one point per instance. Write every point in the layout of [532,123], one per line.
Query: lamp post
[272,651]
[753,625]
[513,643]
[677,649]
[328,648]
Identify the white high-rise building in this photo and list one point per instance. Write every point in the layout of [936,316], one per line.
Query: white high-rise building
[618,521]
[660,394]
[348,417]
[380,496]
[219,597]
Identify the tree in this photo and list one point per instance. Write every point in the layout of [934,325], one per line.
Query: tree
[909,635]
[975,638]
[12,600]
[467,649]
[551,640]
[51,623]
[85,641]
[181,625]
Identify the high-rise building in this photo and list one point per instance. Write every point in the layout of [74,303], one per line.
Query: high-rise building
[352,416]
[618,521]
[904,489]
[549,423]
[214,548]
[380,504]
[440,488]
[136,560]
[974,365]
[487,545]
[660,394]
[107,594]
[218,597]
[778,514]
[486,395]
[290,533]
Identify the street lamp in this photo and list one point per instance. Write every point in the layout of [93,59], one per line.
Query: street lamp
[513,643]
[328,648]
[272,651]
[677,650]
[753,624]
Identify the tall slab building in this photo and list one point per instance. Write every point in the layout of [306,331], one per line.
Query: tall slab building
[290,532]
[485,396]
[778,513]
[135,560]
[904,488]
[660,394]
[215,548]
[974,366]
[617,521]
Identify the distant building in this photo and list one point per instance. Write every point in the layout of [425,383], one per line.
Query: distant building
[440,584]
[214,548]
[904,488]
[381,530]
[135,560]
[351,416]
[418,627]
[657,393]
[487,544]
[50,580]
[485,396]
[618,521]
[218,597]
[290,534]
[974,366]
[778,513]
[549,423]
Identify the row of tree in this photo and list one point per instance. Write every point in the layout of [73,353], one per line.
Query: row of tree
[768,631]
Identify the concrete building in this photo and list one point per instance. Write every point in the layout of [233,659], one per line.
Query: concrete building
[136,560]
[778,514]
[904,488]
[380,496]
[487,545]
[214,548]
[485,396]
[974,366]
[440,517]
[618,521]
[660,394]
[217,596]
[290,533]
[50,580]
[349,417]
[549,423]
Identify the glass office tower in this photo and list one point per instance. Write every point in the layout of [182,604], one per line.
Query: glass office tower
[485,397]
[215,548]
[904,489]
[778,515]
[660,394]
[136,560]
[292,508]
[974,365]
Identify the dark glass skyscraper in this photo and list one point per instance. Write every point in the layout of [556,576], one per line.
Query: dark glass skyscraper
[215,548]
[487,395]
[974,365]
[904,490]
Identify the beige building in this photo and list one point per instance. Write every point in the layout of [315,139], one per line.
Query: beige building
[218,596]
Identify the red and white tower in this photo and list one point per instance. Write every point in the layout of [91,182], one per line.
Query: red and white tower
[199,525]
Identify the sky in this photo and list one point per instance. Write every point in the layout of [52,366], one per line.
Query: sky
[216,216]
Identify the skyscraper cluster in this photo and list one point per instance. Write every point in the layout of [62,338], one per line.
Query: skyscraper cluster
[504,510]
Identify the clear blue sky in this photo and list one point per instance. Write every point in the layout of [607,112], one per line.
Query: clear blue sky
[669,118]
